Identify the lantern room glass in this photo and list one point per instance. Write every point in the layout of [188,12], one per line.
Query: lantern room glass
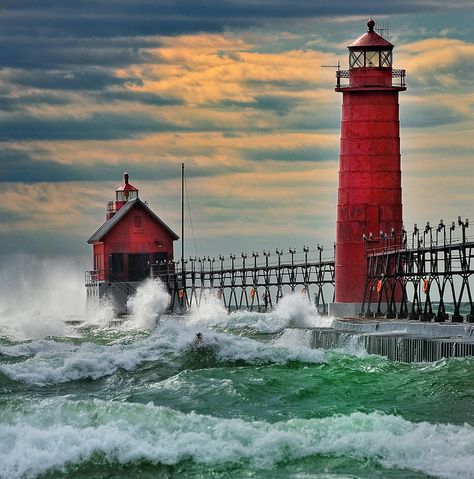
[370,58]
[125,195]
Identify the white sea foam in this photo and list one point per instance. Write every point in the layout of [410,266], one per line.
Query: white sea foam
[38,438]
[295,338]
[210,311]
[296,310]
[231,348]
[39,295]
[149,302]
[32,348]
[167,343]
[100,314]
[293,310]
[89,360]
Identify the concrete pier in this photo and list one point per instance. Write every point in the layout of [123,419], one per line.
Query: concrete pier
[405,341]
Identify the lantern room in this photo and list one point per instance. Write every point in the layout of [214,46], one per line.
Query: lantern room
[122,195]
[370,63]
[370,50]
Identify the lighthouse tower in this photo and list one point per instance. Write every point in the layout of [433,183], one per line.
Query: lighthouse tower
[370,192]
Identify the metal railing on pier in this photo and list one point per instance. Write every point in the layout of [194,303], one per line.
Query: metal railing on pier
[256,282]
[416,276]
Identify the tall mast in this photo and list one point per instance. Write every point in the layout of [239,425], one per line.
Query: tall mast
[182,216]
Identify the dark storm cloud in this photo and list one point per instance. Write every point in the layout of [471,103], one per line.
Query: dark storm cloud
[284,85]
[18,103]
[435,81]
[136,96]
[99,126]
[278,104]
[426,116]
[31,167]
[102,126]
[294,154]
[18,166]
[106,18]
[66,80]
[48,52]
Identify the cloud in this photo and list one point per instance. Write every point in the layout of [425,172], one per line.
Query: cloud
[234,90]
[159,156]
[97,126]
[99,19]
[92,79]
[66,52]
[209,69]
[136,96]
[438,64]
[425,115]
[47,205]
[238,204]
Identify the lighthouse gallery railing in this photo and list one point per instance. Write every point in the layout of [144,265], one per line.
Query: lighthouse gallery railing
[398,78]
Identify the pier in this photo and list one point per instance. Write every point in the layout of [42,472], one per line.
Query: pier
[415,277]
[406,341]
[254,282]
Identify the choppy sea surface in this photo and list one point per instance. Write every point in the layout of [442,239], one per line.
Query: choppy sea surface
[251,400]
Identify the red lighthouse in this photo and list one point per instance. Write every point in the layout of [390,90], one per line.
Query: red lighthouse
[370,192]
[131,240]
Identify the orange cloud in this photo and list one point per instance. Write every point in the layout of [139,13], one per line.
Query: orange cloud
[204,69]
[48,206]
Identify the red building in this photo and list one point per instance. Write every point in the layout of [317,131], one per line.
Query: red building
[131,240]
[370,191]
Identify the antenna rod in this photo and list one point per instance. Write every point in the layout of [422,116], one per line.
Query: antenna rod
[182,216]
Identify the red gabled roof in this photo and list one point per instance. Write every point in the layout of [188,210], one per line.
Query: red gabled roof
[371,39]
[100,234]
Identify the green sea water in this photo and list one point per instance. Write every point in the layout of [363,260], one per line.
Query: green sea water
[252,401]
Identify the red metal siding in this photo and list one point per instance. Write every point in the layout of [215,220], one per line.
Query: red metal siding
[369,194]
[132,235]
[98,255]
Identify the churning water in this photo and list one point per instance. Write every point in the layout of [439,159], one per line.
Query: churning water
[251,400]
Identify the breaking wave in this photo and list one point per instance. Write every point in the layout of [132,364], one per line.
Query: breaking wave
[169,343]
[39,438]
[293,310]
[147,305]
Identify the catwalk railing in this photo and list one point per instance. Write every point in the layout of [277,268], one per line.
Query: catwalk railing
[423,276]
[255,282]
[398,79]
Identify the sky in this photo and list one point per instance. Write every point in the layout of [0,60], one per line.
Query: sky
[236,91]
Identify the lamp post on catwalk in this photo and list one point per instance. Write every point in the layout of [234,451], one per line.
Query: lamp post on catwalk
[370,190]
